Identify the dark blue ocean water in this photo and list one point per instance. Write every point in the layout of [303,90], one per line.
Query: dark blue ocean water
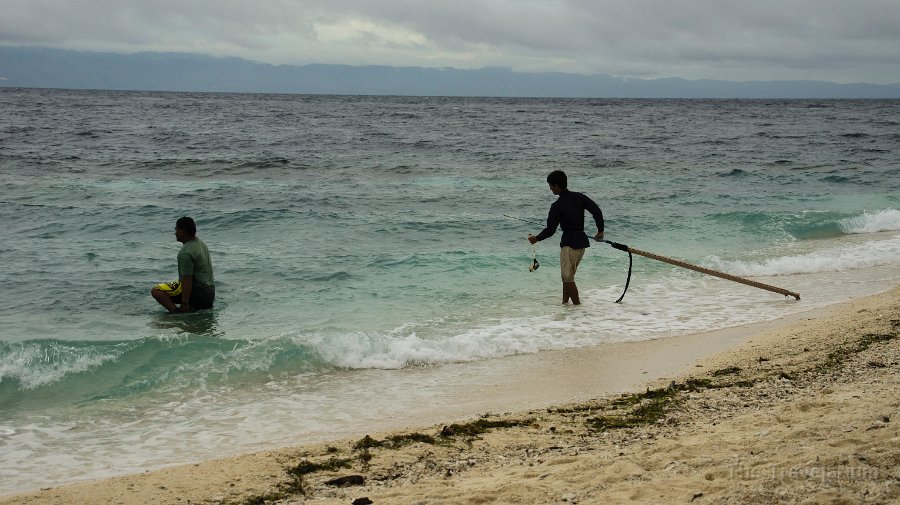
[353,233]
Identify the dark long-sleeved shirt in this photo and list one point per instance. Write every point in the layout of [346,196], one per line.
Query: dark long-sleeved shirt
[567,212]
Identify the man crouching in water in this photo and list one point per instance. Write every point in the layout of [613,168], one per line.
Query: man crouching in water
[195,288]
[567,212]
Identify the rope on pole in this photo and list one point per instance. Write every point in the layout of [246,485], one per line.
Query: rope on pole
[703,270]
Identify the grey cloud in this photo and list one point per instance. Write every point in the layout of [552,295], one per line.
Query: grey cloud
[823,39]
[765,36]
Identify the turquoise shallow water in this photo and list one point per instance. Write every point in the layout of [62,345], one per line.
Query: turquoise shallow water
[368,233]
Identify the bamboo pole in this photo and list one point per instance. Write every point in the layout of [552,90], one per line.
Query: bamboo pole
[714,273]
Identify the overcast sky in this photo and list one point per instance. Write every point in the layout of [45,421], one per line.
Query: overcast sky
[834,40]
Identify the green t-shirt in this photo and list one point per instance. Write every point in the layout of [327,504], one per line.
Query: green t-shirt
[193,259]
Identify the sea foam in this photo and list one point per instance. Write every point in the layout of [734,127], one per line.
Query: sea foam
[36,364]
[872,222]
[832,259]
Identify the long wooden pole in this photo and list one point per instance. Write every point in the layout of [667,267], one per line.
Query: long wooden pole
[707,271]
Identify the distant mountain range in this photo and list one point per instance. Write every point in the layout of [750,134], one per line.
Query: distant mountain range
[30,67]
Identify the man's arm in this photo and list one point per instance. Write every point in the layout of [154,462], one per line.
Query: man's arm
[552,225]
[187,285]
[595,211]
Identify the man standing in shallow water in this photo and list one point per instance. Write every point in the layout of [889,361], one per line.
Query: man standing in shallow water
[195,288]
[567,212]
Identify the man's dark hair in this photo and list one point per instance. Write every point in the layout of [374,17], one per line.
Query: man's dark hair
[558,178]
[186,224]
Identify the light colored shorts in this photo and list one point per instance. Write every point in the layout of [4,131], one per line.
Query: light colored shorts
[568,262]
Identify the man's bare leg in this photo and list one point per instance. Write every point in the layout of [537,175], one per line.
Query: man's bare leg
[164,299]
[570,291]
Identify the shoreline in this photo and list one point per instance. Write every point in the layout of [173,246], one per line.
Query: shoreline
[454,392]
[446,464]
[374,400]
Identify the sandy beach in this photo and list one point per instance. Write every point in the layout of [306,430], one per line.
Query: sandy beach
[800,411]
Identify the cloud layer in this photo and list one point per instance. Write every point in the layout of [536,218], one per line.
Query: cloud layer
[720,39]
